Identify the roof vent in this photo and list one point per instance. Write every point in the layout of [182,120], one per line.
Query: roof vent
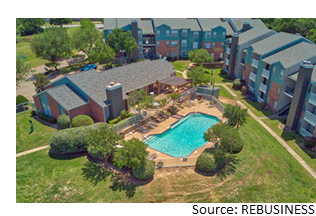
[165,58]
[298,34]
[307,62]
[111,83]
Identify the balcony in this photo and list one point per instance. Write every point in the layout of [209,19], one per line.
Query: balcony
[289,91]
[227,61]
[263,88]
[266,73]
[252,76]
[228,50]
[149,42]
[251,88]
[305,133]
[259,99]
[312,98]
[254,63]
[310,118]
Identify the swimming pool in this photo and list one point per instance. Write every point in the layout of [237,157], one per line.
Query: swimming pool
[183,136]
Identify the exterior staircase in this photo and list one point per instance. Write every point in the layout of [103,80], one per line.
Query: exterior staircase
[283,110]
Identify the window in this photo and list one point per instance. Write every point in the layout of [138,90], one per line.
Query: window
[222,45]
[174,54]
[140,44]
[158,33]
[223,34]
[140,55]
[195,45]
[213,45]
[184,43]
[174,43]
[174,33]
[158,43]
[270,87]
[273,70]
[184,32]
[213,55]
[208,34]
[281,74]
[195,34]
[140,33]
[207,45]
[167,44]
[275,105]
[183,53]
[167,33]
[167,54]
[278,92]
[214,34]
[221,56]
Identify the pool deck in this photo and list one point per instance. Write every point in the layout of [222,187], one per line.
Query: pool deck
[201,107]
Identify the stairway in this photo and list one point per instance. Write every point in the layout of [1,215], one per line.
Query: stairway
[283,110]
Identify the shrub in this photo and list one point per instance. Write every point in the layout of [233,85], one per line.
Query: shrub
[237,83]
[63,121]
[21,99]
[82,120]
[244,90]
[175,58]
[169,58]
[309,142]
[263,105]
[33,113]
[206,162]
[223,72]
[160,164]
[123,114]
[146,171]
[46,118]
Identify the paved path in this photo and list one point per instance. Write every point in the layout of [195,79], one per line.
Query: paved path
[32,150]
[186,70]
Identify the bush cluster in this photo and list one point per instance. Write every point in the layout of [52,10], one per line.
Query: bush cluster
[244,90]
[63,121]
[237,83]
[309,142]
[21,99]
[82,120]
[146,171]
[72,140]
[46,118]
[206,162]
[123,115]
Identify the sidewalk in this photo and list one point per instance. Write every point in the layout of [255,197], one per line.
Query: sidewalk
[32,150]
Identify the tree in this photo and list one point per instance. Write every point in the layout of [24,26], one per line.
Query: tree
[60,21]
[163,103]
[198,75]
[312,35]
[140,99]
[28,26]
[101,20]
[53,44]
[127,43]
[113,39]
[200,56]
[101,142]
[40,82]
[174,96]
[235,115]
[101,53]
[132,154]
[86,22]
[22,71]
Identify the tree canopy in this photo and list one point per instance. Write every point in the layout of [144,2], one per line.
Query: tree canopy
[60,21]
[102,53]
[140,99]
[235,115]
[29,26]
[40,82]
[200,56]
[86,22]
[198,75]
[174,96]
[22,71]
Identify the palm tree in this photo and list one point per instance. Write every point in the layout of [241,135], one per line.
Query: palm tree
[235,115]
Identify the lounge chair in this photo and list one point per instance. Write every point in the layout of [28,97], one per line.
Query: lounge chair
[187,103]
[192,103]
[211,104]
[152,122]
[149,125]
[201,100]
[151,157]
[142,129]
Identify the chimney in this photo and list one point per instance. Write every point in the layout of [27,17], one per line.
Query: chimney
[135,53]
[245,26]
[114,95]
[302,82]
[233,55]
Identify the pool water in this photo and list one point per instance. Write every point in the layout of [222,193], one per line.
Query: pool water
[183,136]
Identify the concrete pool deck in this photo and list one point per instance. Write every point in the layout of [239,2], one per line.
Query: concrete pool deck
[201,107]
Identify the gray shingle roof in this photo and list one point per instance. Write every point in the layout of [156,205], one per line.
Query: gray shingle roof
[132,76]
[255,23]
[145,25]
[293,55]
[273,42]
[251,34]
[178,23]
[313,78]
[208,23]
[66,97]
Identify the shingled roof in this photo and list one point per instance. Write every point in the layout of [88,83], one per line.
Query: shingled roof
[208,23]
[251,34]
[178,23]
[145,25]
[132,76]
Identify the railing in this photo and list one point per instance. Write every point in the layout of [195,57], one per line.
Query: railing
[227,61]
[188,92]
[305,133]
[255,63]
[148,42]
[228,50]
[263,88]
[176,162]
[259,99]
[127,122]
[289,91]
[310,117]
[218,104]
[312,98]
[22,107]
[253,76]
[251,88]
[266,73]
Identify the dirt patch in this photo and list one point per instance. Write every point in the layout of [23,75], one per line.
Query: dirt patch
[227,100]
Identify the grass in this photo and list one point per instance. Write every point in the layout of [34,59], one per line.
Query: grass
[24,48]
[26,140]
[178,74]
[265,173]
[73,23]
[219,78]
[255,107]
[224,93]
[292,139]
[180,65]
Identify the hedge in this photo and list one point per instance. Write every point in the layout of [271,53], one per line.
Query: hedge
[146,171]
[63,121]
[46,118]
[237,83]
[21,99]
[71,140]
[82,120]
[206,162]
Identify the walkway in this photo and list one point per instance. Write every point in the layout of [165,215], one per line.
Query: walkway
[184,73]
[32,150]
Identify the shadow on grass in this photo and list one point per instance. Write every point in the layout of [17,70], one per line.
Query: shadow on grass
[69,156]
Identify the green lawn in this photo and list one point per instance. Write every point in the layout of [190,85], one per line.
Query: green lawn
[26,140]
[224,93]
[253,106]
[24,48]
[178,74]
[266,173]
[180,65]
[219,78]
[292,139]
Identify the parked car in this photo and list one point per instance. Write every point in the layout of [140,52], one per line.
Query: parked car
[88,67]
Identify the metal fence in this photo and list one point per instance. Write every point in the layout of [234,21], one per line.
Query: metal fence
[127,122]
[22,107]
[218,104]
[188,92]
[176,162]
